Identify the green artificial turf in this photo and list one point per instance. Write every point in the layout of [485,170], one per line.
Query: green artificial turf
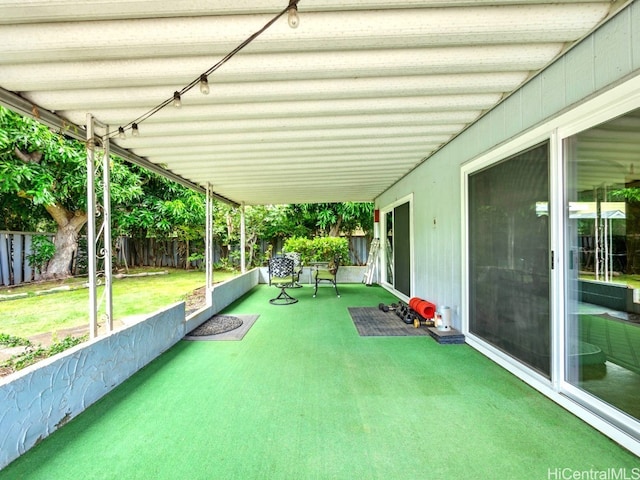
[304,397]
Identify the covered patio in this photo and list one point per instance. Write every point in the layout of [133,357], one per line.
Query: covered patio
[395,102]
[304,396]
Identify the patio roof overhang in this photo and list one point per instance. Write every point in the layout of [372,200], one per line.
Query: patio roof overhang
[339,109]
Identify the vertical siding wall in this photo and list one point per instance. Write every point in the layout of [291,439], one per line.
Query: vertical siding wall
[602,60]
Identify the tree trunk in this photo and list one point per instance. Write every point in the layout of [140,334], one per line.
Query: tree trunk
[250,244]
[66,240]
[187,263]
[334,231]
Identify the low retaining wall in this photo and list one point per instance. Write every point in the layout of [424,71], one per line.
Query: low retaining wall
[610,295]
[43,397]
[222,295]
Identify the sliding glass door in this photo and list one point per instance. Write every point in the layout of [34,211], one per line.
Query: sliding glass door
[602,326]
[508,238]
[397,247]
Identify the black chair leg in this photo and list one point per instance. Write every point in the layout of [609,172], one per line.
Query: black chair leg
[335,285]
[283,299]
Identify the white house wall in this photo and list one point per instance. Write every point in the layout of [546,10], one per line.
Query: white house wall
[602,60]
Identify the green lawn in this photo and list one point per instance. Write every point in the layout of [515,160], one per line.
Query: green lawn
[131,296]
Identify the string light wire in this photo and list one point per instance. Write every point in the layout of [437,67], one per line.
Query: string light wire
[169,101]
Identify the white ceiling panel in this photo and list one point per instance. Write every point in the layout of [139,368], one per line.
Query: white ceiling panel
[338,109]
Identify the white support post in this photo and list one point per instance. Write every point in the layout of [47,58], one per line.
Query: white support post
[104,231]
[91,230]
[106,204]
[209,244]
[243,241]
[376,223]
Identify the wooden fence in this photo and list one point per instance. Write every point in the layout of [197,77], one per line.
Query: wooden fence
[15,248]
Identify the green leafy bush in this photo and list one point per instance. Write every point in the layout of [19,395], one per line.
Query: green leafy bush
[301,245]
[320,249]
[32,353]
[13,341]
[43,251]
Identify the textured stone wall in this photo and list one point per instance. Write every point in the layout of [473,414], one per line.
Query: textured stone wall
[34,402]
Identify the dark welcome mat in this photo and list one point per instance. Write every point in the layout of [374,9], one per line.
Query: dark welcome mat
[373,322]
[235,334]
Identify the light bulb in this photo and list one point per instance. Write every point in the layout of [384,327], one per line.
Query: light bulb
[204,84]
[121,134]
[177,102]
[134,130]
[293,18]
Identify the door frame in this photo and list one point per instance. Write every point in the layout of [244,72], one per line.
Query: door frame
[384,211]
[607,105]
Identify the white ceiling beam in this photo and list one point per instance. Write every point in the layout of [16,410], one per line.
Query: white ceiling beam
[346,174]
[34,11]
[430,27]
[313,146]
[342,153]
[180,70]
[323,143]
[259,166]
[439,121]
[355,106]
[298,90]
[233,151]
[443,120]
[415,133]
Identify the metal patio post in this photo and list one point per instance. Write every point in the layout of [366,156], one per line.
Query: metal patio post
[93,254]
[106,250]
[91,229]
[209,244]
[243,240]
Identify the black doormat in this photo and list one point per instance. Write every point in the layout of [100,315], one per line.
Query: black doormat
[216,325]
[373,322]
[207,330]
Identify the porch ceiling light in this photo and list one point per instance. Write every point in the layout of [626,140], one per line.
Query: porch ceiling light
[293,18]
[203,79]
[177,100]
[204,84]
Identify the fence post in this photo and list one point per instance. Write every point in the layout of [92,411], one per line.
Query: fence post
[28,250]
[17,258]
[4,259]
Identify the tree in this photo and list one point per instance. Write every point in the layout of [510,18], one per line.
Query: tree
[42,169]
[262,222]
[333,219]
[165,210]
